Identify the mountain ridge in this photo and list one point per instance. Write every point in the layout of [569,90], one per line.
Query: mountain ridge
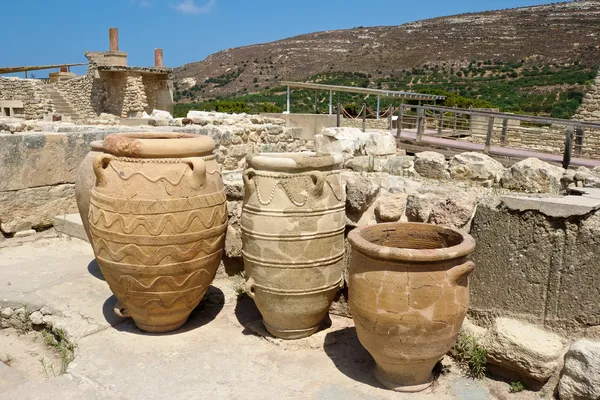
[557,34]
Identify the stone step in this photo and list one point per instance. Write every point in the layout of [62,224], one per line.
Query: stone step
[70,225]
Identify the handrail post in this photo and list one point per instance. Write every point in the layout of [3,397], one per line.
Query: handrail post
[364,119]
[504,131]
[338,111]
[568,146]
[399,121]
[391,117]
[440,122]
[455,120]
[420,123]
[579,132]
[488,136]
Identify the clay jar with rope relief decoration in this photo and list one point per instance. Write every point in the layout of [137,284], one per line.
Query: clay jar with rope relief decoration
[158,218]
[293,224]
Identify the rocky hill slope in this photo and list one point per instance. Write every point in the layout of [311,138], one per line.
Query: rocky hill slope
[555,34]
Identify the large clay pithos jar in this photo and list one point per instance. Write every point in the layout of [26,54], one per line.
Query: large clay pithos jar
[157,221]
[84,183]
[293,239]
[408,295]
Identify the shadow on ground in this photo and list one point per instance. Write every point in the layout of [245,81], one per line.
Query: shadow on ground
[211,305]
[94,270]
[350,357]
[250,318]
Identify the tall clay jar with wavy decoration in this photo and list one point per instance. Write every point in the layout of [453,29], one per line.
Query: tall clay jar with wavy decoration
[157,221]
[408,294]
[293,239]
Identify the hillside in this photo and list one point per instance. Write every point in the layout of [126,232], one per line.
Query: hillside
[554,35]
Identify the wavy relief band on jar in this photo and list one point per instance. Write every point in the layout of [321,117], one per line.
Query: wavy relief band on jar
[158,225]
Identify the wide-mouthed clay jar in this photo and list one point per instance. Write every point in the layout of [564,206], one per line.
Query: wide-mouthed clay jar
[157,221]
[84,183]
[293,238]
[408,295]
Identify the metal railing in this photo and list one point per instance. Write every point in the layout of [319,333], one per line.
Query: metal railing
[502,134]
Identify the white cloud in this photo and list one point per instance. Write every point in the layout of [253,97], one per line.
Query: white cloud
[190,7]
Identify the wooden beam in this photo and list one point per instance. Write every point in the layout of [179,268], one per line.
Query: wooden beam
[350,89]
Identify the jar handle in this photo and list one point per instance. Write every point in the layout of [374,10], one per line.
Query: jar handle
[121,311]
[198,167]
[247,176]
[461,271]
[318,179]
[100,164]
[249,285]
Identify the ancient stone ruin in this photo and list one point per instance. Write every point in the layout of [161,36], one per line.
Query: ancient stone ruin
[339,259]
[109,87]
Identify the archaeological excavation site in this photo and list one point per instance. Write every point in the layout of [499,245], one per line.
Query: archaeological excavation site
[411,249]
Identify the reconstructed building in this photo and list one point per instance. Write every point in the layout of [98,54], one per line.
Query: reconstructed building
[110,86]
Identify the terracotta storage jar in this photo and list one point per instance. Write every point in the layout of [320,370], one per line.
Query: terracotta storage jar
[408,294]
[157,222]
[293,223]
[84,183]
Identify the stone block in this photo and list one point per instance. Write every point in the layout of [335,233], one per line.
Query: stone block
[42,159]
[430,164]
[551,262]
[475,167]
[391,208]
[70,225]
[523,348]
[533,176]
[580,378]
[35,207]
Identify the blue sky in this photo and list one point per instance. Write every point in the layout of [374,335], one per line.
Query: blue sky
[50,31]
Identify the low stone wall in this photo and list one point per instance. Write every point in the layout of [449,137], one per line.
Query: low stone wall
[310,124]
[38,168]
[36,102]
[382,123]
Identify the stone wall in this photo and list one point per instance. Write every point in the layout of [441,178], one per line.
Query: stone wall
[126,94]
[35,100]
[85,94]
[38,169]
[382,123]
[537,260]
[152,87]
[589,111]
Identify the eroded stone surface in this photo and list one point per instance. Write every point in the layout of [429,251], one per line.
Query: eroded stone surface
[391,208]
[533,176]
[581,374]
[524,348]
[441,207]
[430,164]
[475,167]
[35,207]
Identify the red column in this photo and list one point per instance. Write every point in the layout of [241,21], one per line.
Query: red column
[158,57]
[113,35]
